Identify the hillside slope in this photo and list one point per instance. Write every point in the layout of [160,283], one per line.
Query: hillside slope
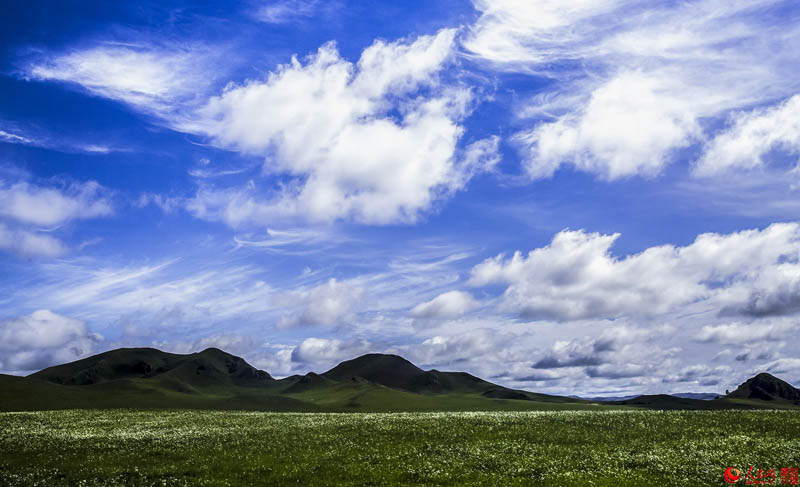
[211,367]
[766,387]
[146,378]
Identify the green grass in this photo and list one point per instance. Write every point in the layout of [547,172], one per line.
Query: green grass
[227,448]
[24,394]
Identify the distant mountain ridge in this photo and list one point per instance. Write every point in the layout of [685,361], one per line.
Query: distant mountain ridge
[704,396]
[214,379]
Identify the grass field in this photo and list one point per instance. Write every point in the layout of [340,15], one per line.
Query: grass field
[165,448]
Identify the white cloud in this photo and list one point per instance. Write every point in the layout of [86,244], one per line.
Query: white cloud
[167,204]
[629,127]
[359,141]
[743,333]
[786,366]
[41,339]
[576,277]
[521,33]
[14,138]
[26,207]
[298,240]
[277,364]
[287,11]
[155,297]
[470,346]
[148,77]
[618,351]
[478,157]
[328,351]
[451,304]
[374,141]
[751,136]
[328,304]
[228,342]
[36,137]
[29,244]
[635,81]
[37,205]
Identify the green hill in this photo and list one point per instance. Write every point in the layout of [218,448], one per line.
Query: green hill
[146,378]
[213,379]
[211,367]
[398,373]
[766,387]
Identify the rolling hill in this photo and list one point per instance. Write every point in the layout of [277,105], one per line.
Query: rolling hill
[213,379]
[147,378]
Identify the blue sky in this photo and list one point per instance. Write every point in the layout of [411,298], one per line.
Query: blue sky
[592,198]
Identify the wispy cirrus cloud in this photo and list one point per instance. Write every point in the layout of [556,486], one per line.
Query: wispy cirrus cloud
[383,145]
[292,11]
[14,134]
[151,77]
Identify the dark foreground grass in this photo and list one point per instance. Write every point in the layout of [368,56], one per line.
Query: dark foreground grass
[165,448]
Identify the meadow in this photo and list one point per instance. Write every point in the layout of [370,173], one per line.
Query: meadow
[229,448]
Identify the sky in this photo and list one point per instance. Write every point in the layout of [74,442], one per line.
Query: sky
[595,197]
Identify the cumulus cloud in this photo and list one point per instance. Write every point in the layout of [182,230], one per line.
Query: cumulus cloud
[278,364]
[374,141]
[25,208]
[618,352]
[743,333]
[329,304]
[572,353]
[617,371]
[628,127]
[751,136]
[41,339]
[577,277]
[538,376]
[638,81]
[462,347]
[700,373]
[451,304]
[229,342]
[782,299]
[789,366]
[328,351]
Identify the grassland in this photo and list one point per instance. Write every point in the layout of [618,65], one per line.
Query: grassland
[226,448]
